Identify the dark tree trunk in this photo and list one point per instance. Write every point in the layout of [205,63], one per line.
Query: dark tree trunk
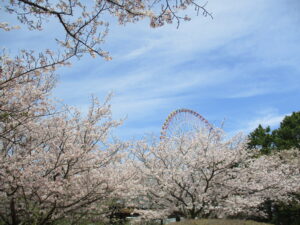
[14,218]
[193,214]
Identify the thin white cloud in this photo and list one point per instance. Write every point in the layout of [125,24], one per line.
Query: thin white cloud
[138,52]
[267,120]
[201,34]
[265,117]
[257,87]
[238,54]
[249,93]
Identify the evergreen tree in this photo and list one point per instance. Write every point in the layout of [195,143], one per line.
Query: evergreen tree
[287,136]
[261,138]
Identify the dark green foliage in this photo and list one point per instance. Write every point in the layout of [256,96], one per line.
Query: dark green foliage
[287,213]
[287,136]
[262,139]
[218,222]
[280,213]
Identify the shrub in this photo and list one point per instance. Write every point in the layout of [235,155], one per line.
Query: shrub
[218,222]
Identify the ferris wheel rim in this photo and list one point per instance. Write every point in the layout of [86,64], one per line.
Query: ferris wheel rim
[173,114]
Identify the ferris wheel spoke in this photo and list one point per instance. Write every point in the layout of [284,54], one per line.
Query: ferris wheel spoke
[184,122]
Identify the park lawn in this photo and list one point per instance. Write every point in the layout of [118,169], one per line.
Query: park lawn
[218,222]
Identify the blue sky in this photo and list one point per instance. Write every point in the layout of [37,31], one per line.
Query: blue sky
[241,67]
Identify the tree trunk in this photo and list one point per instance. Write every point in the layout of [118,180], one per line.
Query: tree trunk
[14,218]
[193,214]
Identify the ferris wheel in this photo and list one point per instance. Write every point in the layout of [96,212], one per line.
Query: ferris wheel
[184,122]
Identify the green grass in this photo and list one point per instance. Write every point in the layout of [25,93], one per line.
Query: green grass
[218,222]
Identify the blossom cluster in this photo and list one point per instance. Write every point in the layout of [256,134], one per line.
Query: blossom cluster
[209,175]
[85,25]
[54,162]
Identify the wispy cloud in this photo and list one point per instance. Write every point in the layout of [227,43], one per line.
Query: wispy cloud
[242,61]
[265,117]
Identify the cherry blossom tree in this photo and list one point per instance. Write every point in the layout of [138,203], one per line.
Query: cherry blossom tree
[55,163]
[192,176]
[269,178]
[208,175]
[85,24]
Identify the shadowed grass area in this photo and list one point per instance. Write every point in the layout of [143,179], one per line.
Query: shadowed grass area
[218,222]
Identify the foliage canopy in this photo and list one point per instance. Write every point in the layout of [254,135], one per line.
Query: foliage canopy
[287,136]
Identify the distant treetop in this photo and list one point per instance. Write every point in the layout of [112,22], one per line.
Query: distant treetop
[287,136]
